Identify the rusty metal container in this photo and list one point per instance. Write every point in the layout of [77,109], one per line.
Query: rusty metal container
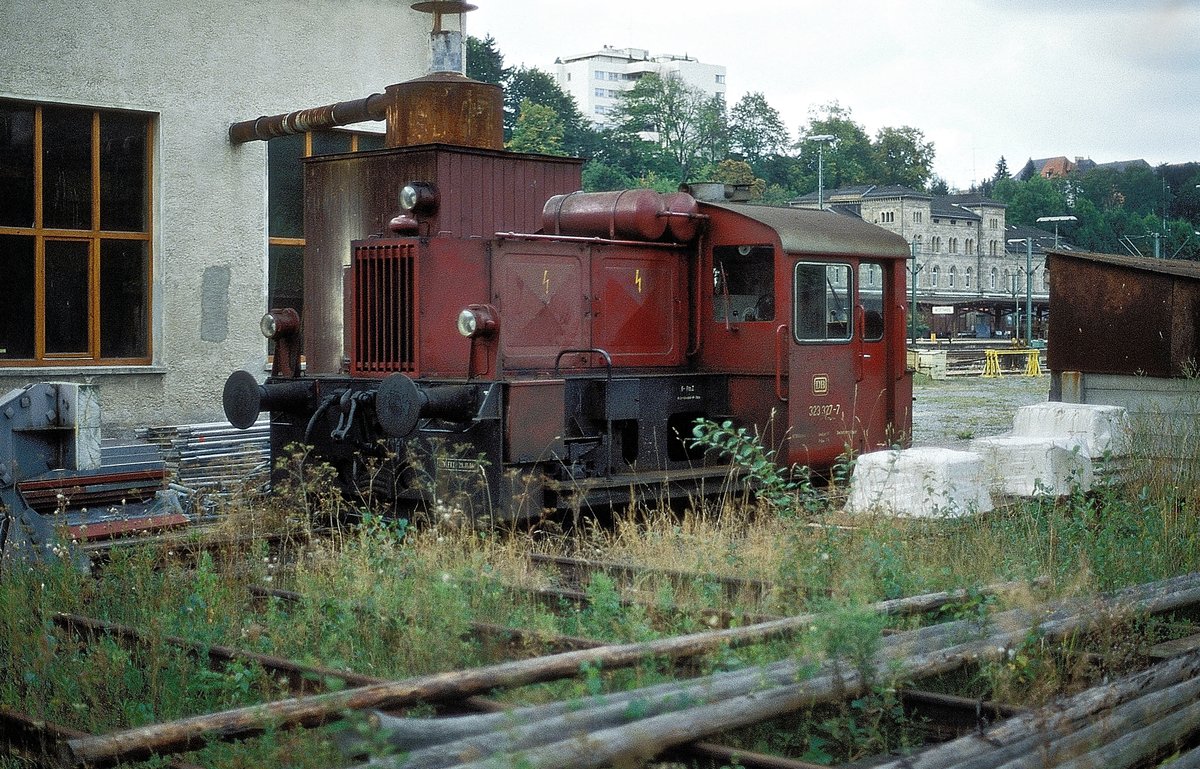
[445,108]
[628,214]
[683,221]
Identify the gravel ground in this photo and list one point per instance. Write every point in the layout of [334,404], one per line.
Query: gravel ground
[951,412]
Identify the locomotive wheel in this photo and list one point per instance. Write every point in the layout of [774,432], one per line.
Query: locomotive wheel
[398,405]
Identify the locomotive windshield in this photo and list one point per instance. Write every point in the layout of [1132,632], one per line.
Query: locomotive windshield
[743,283]
[822,302]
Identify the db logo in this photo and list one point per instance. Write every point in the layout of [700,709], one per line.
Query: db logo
[820,384]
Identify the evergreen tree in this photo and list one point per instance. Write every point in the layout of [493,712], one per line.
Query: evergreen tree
[1001,170]
[484,61]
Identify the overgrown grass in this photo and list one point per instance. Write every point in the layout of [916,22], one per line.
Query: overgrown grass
[385,599]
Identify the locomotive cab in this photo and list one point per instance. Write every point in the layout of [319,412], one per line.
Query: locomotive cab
[807,313]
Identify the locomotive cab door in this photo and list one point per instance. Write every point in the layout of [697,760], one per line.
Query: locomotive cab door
[824,360]
[873,395]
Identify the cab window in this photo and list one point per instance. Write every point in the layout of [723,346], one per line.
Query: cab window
[743,283]
[870,296]
[822,302]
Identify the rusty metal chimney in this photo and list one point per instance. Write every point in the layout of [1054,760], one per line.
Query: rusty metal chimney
[445,106]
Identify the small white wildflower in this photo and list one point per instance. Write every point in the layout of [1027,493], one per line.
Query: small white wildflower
[445,577]
[824,556]
[268,578]
[1012,653]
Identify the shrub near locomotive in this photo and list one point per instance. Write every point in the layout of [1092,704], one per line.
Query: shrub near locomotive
[508,374]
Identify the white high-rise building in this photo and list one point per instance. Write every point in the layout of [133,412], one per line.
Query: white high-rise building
[598,79]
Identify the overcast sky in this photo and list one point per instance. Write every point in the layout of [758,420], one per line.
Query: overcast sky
[1105,79]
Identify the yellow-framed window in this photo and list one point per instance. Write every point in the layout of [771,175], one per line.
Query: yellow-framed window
[75,245]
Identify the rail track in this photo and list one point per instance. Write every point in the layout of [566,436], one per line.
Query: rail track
[521,656]
[1147,710]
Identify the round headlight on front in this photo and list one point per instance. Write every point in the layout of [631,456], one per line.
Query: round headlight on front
[280,322]
[468,324]
[268,326]
[419,198]
[408,197]
[478,320]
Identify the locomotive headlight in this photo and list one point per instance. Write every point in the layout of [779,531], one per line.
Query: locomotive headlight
[478,320]
[419,198]
[277,323]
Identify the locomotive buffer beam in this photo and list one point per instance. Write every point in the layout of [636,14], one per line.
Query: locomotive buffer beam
[397,405]
[400,403]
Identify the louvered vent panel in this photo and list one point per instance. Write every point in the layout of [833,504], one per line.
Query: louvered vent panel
[385,309]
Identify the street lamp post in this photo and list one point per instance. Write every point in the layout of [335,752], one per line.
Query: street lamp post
[912,319]
[1056,220]
[1028,288]
[1029,270]
[822,140]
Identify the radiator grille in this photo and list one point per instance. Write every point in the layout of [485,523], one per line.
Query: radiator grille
[385,309]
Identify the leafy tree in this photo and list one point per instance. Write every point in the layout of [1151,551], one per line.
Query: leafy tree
[781,171]
[634,156]
[679,116]
[738,172]
[1027,200]
[848,160]
[539,87]
[756,130]
[539,129]
[1141,190]
[1186,202]
[599,176]
[713,137]
[902,156]
[484,61]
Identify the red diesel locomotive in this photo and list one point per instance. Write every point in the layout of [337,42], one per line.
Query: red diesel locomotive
[511,346]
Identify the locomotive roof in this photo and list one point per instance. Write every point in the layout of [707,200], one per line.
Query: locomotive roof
[805,231]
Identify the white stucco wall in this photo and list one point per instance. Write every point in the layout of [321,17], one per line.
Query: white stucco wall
[199,67]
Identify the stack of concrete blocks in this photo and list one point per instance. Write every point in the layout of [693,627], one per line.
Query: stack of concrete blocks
[919,483]
[1054,448]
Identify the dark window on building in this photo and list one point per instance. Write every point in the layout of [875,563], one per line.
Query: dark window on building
[74,234]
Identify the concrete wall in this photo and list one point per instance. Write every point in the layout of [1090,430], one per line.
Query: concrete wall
[1164,413]
[199,67]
